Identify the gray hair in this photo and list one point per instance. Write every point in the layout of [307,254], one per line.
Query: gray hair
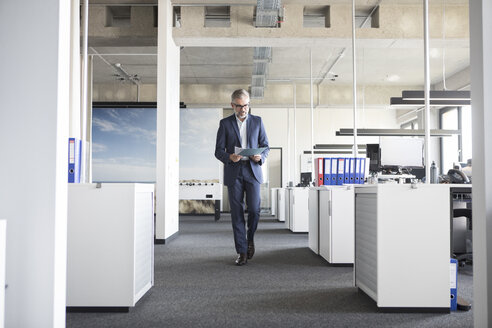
[238,94]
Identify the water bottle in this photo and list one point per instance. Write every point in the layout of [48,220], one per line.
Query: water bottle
[433,173]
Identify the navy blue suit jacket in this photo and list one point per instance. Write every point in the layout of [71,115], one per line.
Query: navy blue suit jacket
[228,137]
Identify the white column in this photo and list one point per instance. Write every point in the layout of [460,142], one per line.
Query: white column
[75,70]
[34,124]
[481,84]
[167,166]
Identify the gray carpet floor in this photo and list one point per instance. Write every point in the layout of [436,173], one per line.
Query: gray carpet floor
[284,285]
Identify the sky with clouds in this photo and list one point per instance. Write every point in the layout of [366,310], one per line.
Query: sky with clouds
[198,131]
[124,141]
[123,144]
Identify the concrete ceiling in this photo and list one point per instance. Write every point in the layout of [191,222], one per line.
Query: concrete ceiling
[397,62]
[227,65]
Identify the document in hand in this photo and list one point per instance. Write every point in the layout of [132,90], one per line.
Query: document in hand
[251,151]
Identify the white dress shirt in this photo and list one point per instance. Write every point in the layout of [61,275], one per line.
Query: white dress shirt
[243,134]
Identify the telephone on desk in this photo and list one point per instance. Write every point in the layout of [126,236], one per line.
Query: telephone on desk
[457,176]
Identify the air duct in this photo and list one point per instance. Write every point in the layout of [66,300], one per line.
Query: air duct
[268,14]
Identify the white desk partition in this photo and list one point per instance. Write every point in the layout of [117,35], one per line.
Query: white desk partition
[3,246]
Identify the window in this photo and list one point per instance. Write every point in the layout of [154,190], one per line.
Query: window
[412,125]
[466,133]
[449,145]
[458,148]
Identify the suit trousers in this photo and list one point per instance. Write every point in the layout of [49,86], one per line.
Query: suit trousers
[245,183]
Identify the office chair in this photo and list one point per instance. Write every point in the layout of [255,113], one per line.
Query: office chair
[466,212]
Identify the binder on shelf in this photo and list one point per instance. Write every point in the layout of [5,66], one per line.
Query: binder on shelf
[352,169]
[357,171]
[346,173]
[333,166]
[340,171]
[453,271]
[362,174]
[319,171]
[326,171]
[74,158]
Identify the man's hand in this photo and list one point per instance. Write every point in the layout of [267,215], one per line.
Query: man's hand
[255,158]
[235,158]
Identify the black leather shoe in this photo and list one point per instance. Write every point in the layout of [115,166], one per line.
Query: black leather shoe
[251,249]
[241,259]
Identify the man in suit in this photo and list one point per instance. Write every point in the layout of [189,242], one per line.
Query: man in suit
[242,174]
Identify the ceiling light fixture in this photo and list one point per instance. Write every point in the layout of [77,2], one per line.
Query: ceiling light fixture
[401,102]
[396,132]
[437,95]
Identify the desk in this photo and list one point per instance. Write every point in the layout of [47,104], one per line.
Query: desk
[457,192]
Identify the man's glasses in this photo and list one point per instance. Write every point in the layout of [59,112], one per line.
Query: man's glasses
[240,106]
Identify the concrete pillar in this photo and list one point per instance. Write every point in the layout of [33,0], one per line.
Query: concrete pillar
[167,161]
[481,84]
[34,124]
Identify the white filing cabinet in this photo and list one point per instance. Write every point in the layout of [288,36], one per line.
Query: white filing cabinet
[297,212]
[336,224]
[110,244]
[313,206]
[402,241]
[281,204]
[273,201]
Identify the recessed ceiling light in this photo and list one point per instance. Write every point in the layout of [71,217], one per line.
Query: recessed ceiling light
[392,78]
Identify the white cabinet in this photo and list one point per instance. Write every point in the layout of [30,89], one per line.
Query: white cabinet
[336,224]
[313,206]
[110,260]
[281,204]
[402,245]
[297,212]
[273,201]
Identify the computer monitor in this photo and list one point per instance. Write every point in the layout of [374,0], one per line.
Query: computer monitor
[305,179]
[373,154]
[401,152]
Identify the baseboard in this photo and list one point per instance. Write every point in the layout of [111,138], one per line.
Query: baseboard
[98,309]
[167,240]
[414,310]
[339,264]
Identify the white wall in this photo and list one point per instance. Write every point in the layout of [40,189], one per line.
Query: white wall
[34,122]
